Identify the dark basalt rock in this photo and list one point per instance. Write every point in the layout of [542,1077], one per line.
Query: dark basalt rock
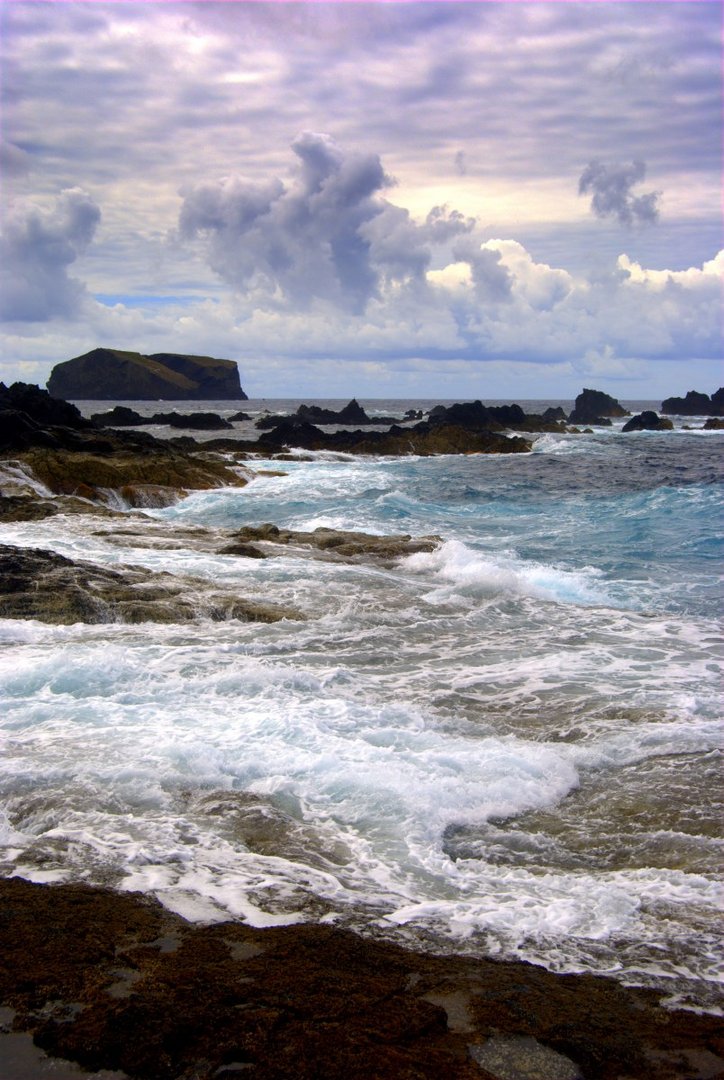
[648,421]
[40,407]
[595,407]
[202,421]
[29,416]
[353,413]
[36,584]
[424,439]
[113,375]
[695,404]
[120,416]
[714,423]
[114,981]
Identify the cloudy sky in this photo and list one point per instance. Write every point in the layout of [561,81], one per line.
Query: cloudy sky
[422,199]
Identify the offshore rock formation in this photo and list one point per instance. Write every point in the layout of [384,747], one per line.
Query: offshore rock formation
[352,413]
[424,439]
[595,407]
[122,416]
[113,981]
[695,404]
[648,421]
[115,375]
[36,584]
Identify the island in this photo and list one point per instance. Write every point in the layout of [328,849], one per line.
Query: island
[115,375]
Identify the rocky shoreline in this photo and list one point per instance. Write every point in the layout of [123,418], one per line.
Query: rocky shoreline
[114,981]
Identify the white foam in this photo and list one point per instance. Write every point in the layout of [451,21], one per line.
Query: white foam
[461,569]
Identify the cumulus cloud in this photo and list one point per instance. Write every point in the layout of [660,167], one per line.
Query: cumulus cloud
[37,246]
[610,186]
[302,242]
[329,236]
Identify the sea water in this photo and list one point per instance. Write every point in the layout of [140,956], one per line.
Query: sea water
[508,746]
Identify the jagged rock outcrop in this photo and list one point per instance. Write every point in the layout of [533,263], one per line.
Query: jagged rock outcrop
[117,375]
[37,584]
[71,456]
[695,404]
[352,413]
[596,407]
[122,416]
[648,421]
[150,476]
[424,439]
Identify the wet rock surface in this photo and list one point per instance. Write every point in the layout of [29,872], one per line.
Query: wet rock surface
[696,404]
[648,421]
[424,439]
[114,982]
[37,584]
[256,541]
[595,407]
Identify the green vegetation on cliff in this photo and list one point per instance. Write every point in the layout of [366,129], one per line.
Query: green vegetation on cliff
[114,375]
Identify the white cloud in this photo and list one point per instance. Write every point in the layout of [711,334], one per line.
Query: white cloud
[37,246]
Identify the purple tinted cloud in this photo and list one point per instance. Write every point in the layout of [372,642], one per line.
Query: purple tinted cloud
[610,187]
[36,248]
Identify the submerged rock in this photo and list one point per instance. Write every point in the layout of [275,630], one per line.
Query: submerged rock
[38,584]
[337,543]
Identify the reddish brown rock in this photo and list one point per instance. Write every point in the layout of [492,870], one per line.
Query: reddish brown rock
[114,981]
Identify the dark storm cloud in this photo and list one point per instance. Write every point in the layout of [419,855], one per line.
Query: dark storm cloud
[305,241]
[610,187]
[36,248]
[330,235]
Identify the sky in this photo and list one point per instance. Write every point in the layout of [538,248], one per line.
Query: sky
[422,199]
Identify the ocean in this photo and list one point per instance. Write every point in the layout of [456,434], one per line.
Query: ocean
[509,746]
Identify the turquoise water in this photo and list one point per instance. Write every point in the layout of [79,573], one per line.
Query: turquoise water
[506,746]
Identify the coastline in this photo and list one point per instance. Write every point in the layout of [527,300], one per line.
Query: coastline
[117,982]
[114,981]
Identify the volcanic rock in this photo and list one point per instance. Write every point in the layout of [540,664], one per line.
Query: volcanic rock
[335,543]
[112,980]
[201,421]
[424,439]
[120,416]
[648,421]
[115,375]
[595,407]
[352,413]
[695,404]
[92,475]
[37,584]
